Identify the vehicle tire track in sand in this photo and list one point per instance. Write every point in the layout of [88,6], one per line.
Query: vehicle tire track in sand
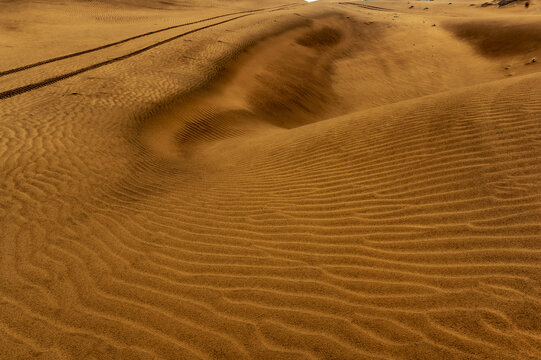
[50,81]
[368,7]
[63,57]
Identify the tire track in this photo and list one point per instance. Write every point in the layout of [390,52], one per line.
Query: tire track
[369,7]
[26,88]
[79,53]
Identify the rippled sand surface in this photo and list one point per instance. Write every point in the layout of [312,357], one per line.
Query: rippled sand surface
[270,180]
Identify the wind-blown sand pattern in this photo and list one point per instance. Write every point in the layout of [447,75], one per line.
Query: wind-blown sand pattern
[270,180]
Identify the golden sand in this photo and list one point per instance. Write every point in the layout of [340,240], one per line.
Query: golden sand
[192,179]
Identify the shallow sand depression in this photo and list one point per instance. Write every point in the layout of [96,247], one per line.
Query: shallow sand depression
[270,180]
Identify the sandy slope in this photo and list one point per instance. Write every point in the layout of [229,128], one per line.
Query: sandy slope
[323,181]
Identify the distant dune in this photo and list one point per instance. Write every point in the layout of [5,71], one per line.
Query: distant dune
[270,180]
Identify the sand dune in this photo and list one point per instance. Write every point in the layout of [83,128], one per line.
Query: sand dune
[242,180]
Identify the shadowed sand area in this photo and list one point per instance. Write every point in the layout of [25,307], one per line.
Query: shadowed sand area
[270,180]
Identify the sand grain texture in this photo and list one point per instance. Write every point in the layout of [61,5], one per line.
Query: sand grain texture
[242,180]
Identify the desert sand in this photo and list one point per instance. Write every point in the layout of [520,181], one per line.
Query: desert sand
[270,179]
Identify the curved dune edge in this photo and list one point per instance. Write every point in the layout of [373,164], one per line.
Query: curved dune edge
[207,228]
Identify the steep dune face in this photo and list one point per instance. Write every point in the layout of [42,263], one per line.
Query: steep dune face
[501,38]
[327,181]
[281,81]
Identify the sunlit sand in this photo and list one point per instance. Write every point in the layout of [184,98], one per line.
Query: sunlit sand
[270,180]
